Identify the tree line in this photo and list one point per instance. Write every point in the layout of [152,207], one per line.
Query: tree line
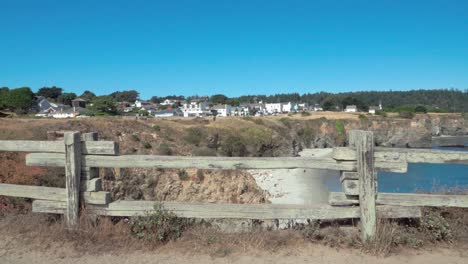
[22,99]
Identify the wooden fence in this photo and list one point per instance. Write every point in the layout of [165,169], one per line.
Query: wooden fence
[82,154]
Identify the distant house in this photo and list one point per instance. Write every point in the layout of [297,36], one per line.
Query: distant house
[317,108]
[351,109]
[78,102]
[273,108]
[373,109]
[222,110]
[149,107]
[140,104]
[302,106]
[257,109]
[169,102]
[286,107]
[168,113]
[195,108]
[242,110]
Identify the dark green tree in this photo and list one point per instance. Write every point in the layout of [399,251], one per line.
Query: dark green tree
[87,95]
[125,96]
[155,100]
[421,109]
[219,99]
[103,105]
[50,92]
[19,100]
[66,98]
[3,96]
[329,106]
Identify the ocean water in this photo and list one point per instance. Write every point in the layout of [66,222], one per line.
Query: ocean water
[421,177]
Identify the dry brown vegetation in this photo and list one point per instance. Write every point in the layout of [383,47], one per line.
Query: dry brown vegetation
[447,227]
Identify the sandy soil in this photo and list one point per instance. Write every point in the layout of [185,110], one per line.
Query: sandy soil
[12,252]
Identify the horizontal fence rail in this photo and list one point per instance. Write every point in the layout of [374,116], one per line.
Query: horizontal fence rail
[236,211]
[87,147]
[82,154]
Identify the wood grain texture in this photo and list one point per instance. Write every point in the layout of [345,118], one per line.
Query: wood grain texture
[235,211]
[72,142]
[88,148]
[364,143]
[154,161]
[405,155]
[88,173]
[33,192]
[405,199]
[350,187]
[50,193]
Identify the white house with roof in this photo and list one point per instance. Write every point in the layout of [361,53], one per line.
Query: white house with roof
[317,108]
[242,110]
[273,108]
[351,109]
[286,107]
[223,110]
[169,102]
[373,109]
[195,109]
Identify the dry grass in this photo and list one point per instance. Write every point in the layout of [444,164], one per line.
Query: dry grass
[113,235]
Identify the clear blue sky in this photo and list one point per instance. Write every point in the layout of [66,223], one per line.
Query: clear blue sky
[233,47]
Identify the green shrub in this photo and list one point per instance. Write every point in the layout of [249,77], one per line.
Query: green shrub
[135,137]
[233,146]
[381,113]
[194,136]
[159,226]
[183,175]
[146,145]
[165,149]
[436,227]
[157,128]
[420,109]
[305,113]
[362,116]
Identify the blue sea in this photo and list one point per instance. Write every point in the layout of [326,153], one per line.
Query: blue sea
[421,177]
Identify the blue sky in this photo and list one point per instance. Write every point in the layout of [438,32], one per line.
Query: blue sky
[233,47]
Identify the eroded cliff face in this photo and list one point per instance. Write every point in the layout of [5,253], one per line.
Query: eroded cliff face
[449,125]
[388,132]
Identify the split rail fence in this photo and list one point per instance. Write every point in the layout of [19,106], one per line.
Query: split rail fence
[82,155]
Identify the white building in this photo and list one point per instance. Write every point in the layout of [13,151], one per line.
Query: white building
[286,107]
[351,109]
[242,110]
[169,102]
[195,109]
[223,110]
[273,108]
[317,107]
[373,110]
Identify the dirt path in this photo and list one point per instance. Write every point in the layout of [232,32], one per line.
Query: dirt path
[13,252]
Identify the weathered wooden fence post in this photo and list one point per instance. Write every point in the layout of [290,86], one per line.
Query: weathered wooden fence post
[72,142]
[89,175]
[363,141]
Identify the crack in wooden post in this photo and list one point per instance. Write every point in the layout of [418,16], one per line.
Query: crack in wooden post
[364,143]
[72,142]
